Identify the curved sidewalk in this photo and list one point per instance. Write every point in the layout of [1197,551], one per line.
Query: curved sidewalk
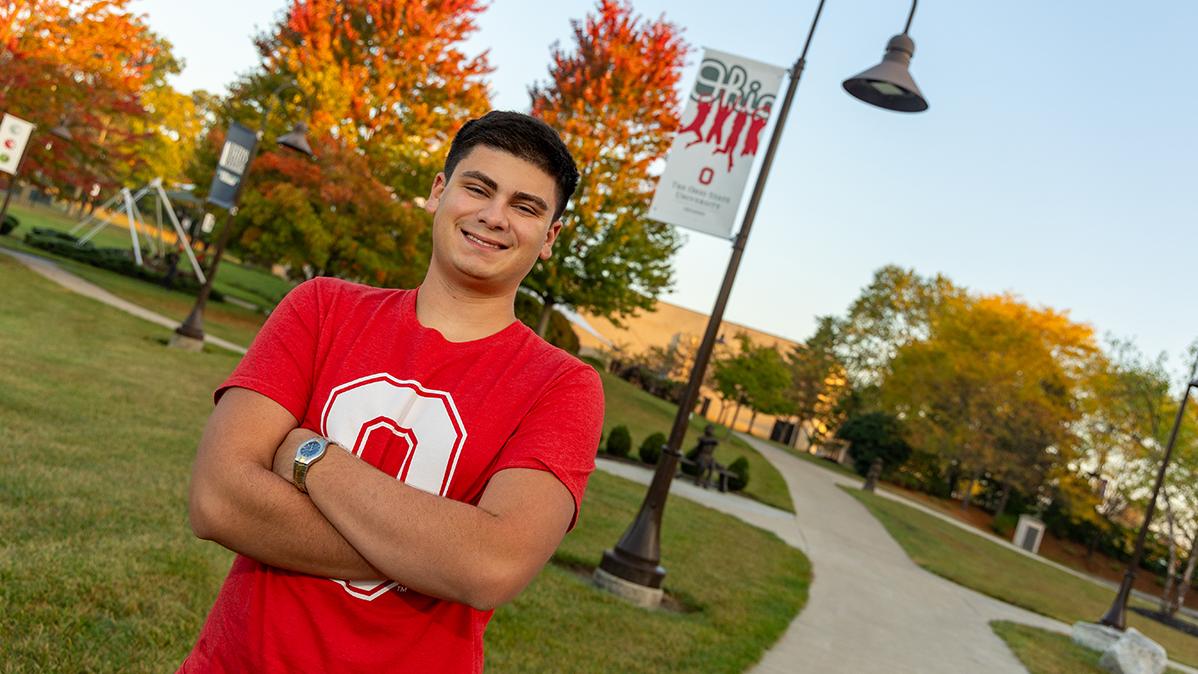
[64,278]
[871,609]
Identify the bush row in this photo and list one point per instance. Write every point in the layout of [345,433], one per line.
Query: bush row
[119,260]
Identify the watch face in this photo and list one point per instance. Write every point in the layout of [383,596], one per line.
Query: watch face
[311,449]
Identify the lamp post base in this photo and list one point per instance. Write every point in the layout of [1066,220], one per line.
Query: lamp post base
[185,342]
[645,597]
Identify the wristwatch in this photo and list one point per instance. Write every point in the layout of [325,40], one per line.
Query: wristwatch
[308,453]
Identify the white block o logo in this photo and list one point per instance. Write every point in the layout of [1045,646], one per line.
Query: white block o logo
[424,420]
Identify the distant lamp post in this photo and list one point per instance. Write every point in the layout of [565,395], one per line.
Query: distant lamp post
[62,130]
[1116,615]
[190,334]
[631,569]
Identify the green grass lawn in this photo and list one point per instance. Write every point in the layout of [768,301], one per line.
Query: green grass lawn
[99,572]
[644,415]
[1045,652]
[971,560]
[227,320]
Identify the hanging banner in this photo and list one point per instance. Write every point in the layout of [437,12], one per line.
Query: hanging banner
[232,166]
[14,136]
[721,133]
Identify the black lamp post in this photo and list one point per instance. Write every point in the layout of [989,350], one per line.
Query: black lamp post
[190,334]
[1116,615]
[631,569]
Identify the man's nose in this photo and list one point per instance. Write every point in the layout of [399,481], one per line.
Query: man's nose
[493,214]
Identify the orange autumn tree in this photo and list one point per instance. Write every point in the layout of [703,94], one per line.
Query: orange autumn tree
[95,66]
[385,85]
[613,98]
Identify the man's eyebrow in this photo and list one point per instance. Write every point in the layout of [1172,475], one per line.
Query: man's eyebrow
[534,200]
[491,184]
[482,178]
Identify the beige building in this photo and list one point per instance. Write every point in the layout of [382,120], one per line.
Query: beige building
[670,325]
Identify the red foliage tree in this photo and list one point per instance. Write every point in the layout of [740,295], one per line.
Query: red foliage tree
[613,98]
[88,64]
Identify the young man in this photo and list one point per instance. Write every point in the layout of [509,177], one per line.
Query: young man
[390,465]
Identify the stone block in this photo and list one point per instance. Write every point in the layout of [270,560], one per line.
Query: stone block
[1094,636]
[645,597]
[1134,653]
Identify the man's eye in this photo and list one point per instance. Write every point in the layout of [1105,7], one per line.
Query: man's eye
[475,189]
[527,210]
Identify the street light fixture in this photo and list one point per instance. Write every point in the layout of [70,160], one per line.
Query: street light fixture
[889,84]
[631,569]
[1116,615]
[190,334]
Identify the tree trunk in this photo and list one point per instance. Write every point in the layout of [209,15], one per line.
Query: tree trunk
[752,420]
[1092,546]
[1167,595]
[794,436]
[1187,577]
[735,417]
[1003,497]
[543,321]
[719,418]
[968,492]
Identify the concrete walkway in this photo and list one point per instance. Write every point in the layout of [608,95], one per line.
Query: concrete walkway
[871,609]
[64,278]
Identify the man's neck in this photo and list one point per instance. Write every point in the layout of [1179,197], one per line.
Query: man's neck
[460,314]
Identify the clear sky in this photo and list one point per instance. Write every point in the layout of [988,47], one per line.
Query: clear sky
[1058,160]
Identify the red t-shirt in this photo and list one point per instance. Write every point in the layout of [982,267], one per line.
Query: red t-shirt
[354,364]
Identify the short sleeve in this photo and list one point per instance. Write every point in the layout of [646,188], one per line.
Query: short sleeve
[280,362]
[560,434]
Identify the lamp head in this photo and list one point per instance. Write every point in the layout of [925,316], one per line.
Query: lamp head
[62,131]
[297,139]
[889,84]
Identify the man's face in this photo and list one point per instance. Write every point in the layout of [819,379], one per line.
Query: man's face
[492,219]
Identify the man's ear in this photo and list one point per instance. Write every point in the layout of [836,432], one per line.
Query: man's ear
[550,237]
[434,195]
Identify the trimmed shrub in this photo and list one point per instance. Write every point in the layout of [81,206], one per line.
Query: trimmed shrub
[691,468]
[650,450]
[1004,524]
[876,435]
[619,442]
[119,260]
[740,474]
[10,223]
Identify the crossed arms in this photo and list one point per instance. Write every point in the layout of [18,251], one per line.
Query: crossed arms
[357,522]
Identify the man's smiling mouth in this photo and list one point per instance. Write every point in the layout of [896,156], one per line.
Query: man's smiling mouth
[483,242]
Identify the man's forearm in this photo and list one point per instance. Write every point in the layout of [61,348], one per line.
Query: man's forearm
[439,546]
[258,514]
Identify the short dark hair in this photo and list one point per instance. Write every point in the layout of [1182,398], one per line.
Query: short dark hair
[525,137]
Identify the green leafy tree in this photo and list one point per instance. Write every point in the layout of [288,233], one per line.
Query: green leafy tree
[818,382]
[990,388]
[612,97]
[756,376]
[875,435]
[894,310]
